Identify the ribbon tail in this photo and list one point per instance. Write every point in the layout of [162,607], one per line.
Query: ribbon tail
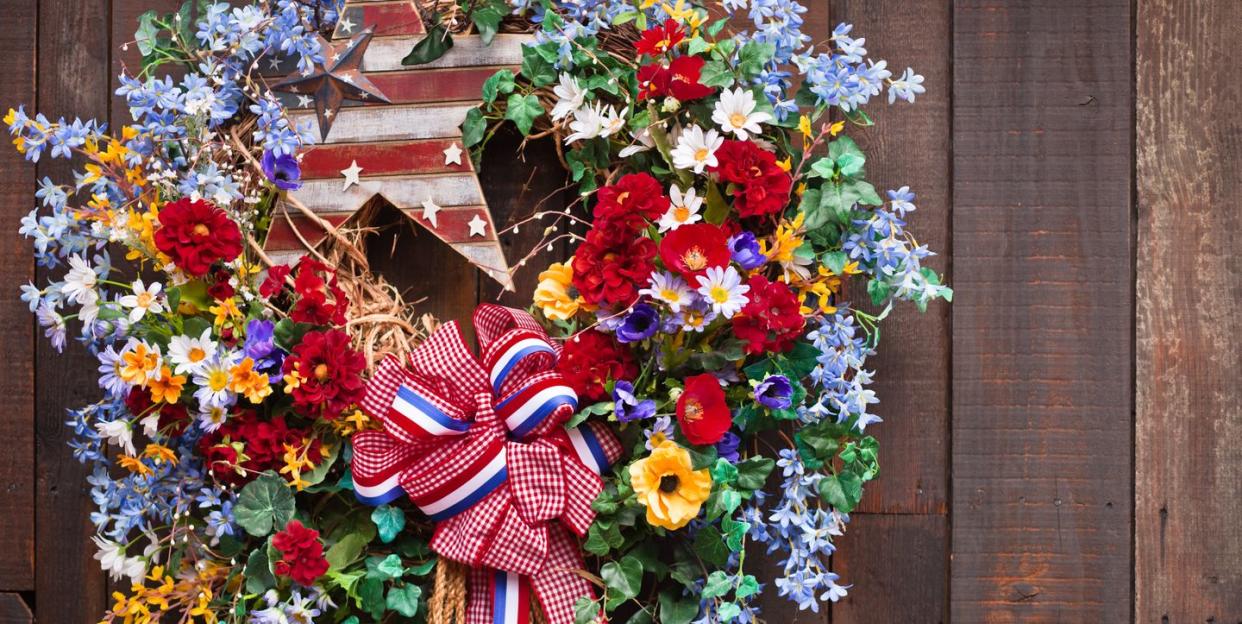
[557,586]
[498,597]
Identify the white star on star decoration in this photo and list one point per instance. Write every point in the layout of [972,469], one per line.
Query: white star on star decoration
[347,26]
[478,227]
[430,210]
[305,101]
[452,155]
[351,175]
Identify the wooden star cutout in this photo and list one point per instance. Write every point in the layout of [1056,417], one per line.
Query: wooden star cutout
[337,79]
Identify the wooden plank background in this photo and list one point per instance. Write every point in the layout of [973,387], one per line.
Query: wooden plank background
[1061,444]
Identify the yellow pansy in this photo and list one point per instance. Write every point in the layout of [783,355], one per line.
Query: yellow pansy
[669,487]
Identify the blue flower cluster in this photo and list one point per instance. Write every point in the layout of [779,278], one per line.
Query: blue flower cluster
[886,252]
[839,375]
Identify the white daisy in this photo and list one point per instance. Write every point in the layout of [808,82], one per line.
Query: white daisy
[190,354]
[696,150]
[642,142]
[588,123]
[112,559]
[735,112]
[211,418]
[724,290]
[683,210]
[668,288]
[150,424]
[117,432]
[145,299]
[213,382]
[612,122]
[570,95]
[80,281]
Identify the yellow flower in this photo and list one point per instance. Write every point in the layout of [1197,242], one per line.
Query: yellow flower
[836,128]
[225,310]
[355,422]
[787,240]
[293,380]
[243,379]
[135,465]
[167,387]
[160,454]
[804,126]
[669,487]
[138,364]
[552,294]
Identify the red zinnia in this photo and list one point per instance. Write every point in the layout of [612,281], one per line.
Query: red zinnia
[301,553]
[660,39]
[701,410]
[762,186]
[771,321]
[196,234]
[635,193]
[692,249]
[590,359]
[679,79]
[329,373]
[613,263]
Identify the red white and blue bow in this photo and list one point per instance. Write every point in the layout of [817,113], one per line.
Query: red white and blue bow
[481,448]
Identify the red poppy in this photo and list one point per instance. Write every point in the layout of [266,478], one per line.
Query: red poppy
[196,234]
[633,194]
[679,79]
[702,411]
[301,553]
[590,360]
[660,39]
[329,373]
[692,249]
[771,321]
[613,263]
[762,187]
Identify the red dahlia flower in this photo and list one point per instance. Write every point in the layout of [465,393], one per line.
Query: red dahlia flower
[301,553]
[770,322]
[590,359]
[679,79]
[324,373]
[613,263]
[692,249]
[701,410]
[196,234]
[635,193]
[762,186]
[660,39]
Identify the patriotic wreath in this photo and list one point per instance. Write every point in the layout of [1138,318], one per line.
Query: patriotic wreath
[294,443]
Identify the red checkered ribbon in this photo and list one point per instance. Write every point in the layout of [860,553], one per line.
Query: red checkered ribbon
[479,445]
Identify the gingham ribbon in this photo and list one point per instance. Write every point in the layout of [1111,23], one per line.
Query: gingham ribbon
[479,445]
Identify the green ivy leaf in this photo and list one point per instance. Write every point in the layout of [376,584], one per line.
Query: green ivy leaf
[287,334]
[499,83]
[748,587]
[717,585]
[710,547]
[842,491]
[391,567]
[389,520]
[147,32]
[696,46]
[836,261]
[734,532]
[346,551]
[675,609]
[473,128]
[879,291]
[623,580]
[264,504]
[404,600]
[523,110]
[258,573]
[371,598]
[723,472]
[487,19]
[728,611]
[716,74]
[433,46]
[537,69]
[586,611]
[423,569]
[752,473]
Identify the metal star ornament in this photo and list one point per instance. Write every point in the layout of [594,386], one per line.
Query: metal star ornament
[339,77]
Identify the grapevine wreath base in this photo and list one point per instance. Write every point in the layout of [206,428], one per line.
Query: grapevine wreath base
[282,437]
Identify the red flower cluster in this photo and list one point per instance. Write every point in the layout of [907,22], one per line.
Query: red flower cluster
[614,261]
[326,374]
[702,411]
[252,444]
[691,249]
[661,39]
[634,195]
[196,234]
[770,322]
[679,79]
[590,359]
[301,553]
[320,300]
[762,186]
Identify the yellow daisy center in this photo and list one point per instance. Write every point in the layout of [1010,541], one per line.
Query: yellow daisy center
[196,354]
[737,119]
[701,154]
[218,380]
[719,294]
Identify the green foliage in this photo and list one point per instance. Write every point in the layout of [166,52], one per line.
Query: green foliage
[264,504]
[622,579]
[430,48]
[404,599]
[523,110]
[389,521]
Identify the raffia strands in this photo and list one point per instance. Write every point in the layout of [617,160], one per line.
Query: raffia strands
[448,595]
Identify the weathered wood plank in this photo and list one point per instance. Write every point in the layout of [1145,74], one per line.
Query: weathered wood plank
[1041,230]
[13,610]
[896,563]
[1188,456]
[73,68]
[17,181]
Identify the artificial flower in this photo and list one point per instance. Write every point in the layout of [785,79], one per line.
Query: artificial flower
[668,486]
[727,447]
[166,387]
[683,209]
[80,281]
[146,298]
[628,407]
[635,194]
[679,79]
[744,249]
[139,362]
[693,249]
[669,289]
[320,300]
[697,150]
[553,294]
[697,316]
[702,411]
[331,373]
[771,320]
[212,380]
[196,234]
[117,432]
[735,113]
[610,264]
[723,290]
[244,380]
[761,186]
[774,392]
[569,96]
[640,324]
[590,360]
[189,354]
[283,171]
[660,39]
[301,553]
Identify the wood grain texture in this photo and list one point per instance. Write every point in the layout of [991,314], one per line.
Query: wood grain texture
[17,182]
[1042,387]
[13,610]
[897,566]
[73,65]
[1188,451]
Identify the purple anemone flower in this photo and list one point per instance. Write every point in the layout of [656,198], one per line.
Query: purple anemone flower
[284,171]
[774,392]
[640,324]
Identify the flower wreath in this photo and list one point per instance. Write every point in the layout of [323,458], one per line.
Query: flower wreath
[698,342]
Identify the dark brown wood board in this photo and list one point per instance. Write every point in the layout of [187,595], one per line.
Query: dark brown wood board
[73,63]
[896,563]
[1042,322]
[17,182]
[1188,438]
[13,610]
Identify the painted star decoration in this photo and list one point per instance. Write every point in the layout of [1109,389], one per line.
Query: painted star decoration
[336,79]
